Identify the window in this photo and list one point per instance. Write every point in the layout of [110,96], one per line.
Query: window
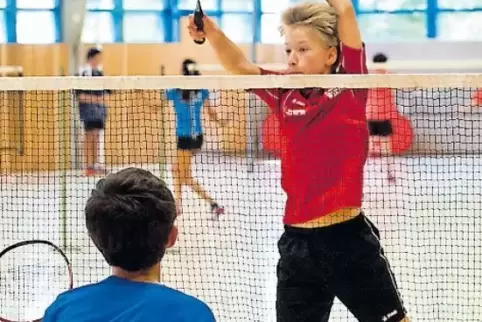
[98,28]
[238,27]
[460,26]
[460,4]
[274,6]
[392,5]
[36,27]
[100,4]
[144,4]
[269,29]
[3,29]
[237,5]
[191,4]
[145,27]
[29,21]
[380,20]
[36,4]
[392,27]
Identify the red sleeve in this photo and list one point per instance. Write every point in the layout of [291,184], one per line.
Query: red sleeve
[270,96]
[354,61]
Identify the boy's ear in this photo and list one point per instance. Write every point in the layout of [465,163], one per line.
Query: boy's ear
[332,56]
[171,240]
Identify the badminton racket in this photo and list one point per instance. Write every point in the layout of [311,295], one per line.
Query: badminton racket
[32,274]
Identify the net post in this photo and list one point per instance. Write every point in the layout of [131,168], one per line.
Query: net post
[251,129]
[21,124]
[63,174]
[161,154]
[75,132]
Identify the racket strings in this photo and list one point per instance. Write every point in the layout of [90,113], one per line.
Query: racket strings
[31,277]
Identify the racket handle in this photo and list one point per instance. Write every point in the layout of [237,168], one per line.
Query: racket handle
[198,21]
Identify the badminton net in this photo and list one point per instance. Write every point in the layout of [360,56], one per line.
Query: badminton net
[422,188]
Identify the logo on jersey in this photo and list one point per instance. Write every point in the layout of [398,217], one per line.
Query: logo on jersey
[296,107]
[293,107]
[333,92]
[297,102]
[295,112]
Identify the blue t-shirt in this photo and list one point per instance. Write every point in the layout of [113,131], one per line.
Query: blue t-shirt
[188,113]
[121,300]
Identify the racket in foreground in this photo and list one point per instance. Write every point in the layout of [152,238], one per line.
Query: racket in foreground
[198,21]
[32,274]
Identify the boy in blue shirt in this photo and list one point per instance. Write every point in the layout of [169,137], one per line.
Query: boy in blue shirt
[130,218]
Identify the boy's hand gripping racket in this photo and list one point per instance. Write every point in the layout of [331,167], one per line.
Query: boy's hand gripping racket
[198,21]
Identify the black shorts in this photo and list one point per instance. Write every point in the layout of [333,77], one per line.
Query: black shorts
[189,142]
[344,260]
[380,128]
[94,125]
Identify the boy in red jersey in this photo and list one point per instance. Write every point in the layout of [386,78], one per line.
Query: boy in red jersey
[329,248]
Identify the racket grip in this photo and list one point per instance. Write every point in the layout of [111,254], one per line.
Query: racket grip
[200,41]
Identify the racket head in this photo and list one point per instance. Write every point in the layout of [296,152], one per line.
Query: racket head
[32,274]
[198,21]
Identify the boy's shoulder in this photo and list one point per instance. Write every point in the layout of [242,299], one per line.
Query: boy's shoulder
[190,306]
[155,298]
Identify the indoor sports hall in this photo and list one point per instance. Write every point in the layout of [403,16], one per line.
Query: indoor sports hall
[422,182]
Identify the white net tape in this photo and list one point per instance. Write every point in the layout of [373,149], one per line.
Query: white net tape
[402,81]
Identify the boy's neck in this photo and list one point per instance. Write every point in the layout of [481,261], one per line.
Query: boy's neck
[150,275]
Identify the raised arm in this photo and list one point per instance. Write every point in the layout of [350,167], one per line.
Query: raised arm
[229,54]
[352,51]
[347,24]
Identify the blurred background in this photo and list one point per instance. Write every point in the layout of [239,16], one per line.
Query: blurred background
[429,216]
[149,37]
[46,37]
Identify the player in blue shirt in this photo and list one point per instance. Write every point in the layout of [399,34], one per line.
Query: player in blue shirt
[188,105]
[130,218]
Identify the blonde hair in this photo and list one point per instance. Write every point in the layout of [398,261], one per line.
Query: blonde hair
[319,16]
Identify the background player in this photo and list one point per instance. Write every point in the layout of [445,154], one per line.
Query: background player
[189,133]
[381,130]
[130,218]
[93,112]
[329,248]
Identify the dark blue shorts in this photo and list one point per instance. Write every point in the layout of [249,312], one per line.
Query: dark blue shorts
[95,125]
[93,115]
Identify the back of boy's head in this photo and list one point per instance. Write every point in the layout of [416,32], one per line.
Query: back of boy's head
[129,217]
[319,16]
